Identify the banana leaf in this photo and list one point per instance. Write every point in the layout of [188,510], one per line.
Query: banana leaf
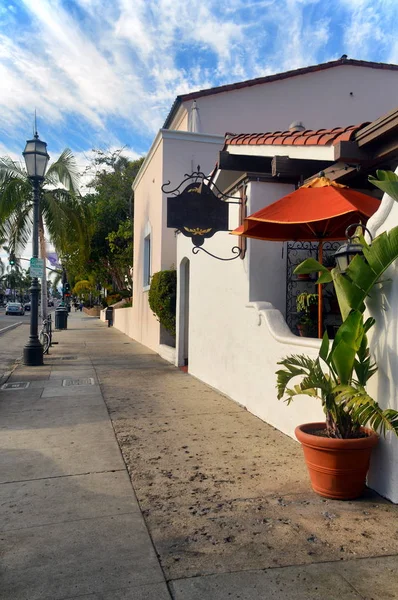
[363,273]
[346,344]
[310,265]
[387,181]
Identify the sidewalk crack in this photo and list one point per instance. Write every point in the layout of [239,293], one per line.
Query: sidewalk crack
[62,476]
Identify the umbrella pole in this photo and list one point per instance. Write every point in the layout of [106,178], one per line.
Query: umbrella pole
[320,298]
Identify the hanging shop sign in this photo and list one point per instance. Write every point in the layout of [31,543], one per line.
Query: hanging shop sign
[197,212]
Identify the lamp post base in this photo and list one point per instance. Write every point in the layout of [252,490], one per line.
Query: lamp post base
[33,354]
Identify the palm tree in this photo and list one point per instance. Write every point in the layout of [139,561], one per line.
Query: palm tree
[60,213]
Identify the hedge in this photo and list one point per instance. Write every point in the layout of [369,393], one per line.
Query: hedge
[162,298]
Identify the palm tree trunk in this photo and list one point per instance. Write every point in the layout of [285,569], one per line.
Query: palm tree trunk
[42,243]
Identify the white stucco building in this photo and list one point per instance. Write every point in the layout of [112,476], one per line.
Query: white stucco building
[335,94]
[231,327]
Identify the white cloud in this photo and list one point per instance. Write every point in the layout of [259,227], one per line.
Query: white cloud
[122,66]
[113,68]
[367,23]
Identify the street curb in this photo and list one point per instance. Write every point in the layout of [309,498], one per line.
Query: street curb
[6,376]
[9,327]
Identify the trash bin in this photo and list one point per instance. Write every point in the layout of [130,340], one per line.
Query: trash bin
[61,318]
[109,315]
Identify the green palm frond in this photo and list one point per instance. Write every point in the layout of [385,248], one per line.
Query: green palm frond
[54,217]
[313,378]
[14,192]
[60,183]
[19,227]
[10,168]
[344,399]
[64,170]
[300,361]
[364,410]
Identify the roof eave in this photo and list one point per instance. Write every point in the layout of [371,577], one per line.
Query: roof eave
[173,111]
[275,77]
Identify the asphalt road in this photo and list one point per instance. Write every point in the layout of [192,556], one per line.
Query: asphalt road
[12,343]
[5,321]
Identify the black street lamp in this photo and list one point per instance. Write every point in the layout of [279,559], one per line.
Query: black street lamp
[36,159]
[347,251]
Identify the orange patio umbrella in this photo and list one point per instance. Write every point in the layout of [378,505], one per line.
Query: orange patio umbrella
[318,211]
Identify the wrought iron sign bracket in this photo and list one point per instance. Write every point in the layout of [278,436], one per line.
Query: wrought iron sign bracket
[194,209]
[235,250]
[200,178]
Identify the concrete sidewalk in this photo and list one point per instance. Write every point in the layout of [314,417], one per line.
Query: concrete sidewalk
[225,497]
[70,523]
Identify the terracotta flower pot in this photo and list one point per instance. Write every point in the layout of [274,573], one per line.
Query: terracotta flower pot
[337,468]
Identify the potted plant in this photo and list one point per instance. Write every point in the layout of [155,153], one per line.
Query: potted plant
[305,302]
[306,326]
[306,305]
[338,451]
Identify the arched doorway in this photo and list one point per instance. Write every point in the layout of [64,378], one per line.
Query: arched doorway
[183,322]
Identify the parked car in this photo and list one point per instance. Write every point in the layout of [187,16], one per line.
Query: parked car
[15,308]
[27,306]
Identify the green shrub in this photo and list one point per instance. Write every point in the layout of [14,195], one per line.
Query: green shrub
[113,298]
[162,298]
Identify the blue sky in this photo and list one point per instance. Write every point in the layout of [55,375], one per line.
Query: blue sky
[103,74]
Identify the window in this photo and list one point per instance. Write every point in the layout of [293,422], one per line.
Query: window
[147,261]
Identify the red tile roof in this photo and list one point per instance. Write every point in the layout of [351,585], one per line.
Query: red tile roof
[276,77]
[320,137]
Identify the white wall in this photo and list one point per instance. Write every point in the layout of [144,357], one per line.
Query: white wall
[383,386]
[123,320]
[267,260]
[234,344]
[321,100]
[172,156]
[231,346]
[147,213]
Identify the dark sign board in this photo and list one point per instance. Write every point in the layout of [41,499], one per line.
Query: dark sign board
[197,212]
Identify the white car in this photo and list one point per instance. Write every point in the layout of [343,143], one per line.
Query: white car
[15,308]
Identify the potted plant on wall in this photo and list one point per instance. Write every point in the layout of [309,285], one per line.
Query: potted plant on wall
[306,305]
[338,451]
